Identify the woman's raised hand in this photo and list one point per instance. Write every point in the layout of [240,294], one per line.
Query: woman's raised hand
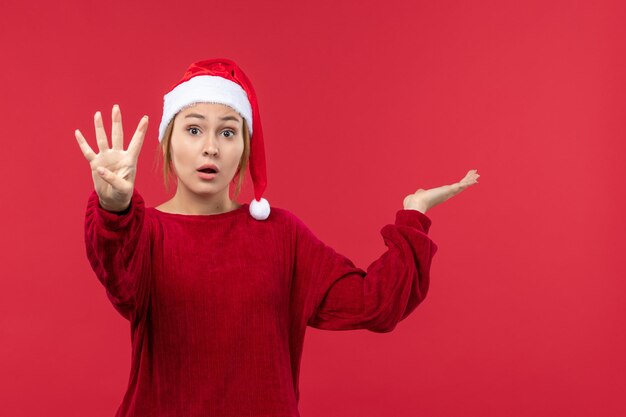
[113,169]
[423,200]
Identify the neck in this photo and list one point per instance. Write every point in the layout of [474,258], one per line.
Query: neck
[188,202]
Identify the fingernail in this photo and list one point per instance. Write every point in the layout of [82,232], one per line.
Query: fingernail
[100,170]
[115,105]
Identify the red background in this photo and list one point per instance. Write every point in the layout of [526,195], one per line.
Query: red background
[362,103]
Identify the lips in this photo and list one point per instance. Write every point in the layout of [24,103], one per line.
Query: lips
[209,168]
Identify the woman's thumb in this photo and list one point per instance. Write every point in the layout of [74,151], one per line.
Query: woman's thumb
[110,177]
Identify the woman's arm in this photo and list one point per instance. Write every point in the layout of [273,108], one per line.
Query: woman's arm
[118,247]
[345,297]
[116,232]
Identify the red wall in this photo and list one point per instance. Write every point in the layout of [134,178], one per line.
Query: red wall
[362,103]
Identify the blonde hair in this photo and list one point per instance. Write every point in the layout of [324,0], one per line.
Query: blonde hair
[165,150]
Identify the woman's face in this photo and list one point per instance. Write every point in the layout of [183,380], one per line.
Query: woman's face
[206,133]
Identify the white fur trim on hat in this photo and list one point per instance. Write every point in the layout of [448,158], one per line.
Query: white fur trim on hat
[260,210]
[203,89]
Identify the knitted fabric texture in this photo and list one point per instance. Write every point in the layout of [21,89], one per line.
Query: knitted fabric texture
[218,304]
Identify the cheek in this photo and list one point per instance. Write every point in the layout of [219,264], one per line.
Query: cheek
[237,152]
[181,155]
[234,159]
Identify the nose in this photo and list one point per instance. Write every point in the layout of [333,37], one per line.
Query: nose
[210,146]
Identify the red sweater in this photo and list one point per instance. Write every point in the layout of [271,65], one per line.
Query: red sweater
[218,304]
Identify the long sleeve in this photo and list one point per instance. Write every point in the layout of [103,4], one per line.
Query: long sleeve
[347,297]
[118,247]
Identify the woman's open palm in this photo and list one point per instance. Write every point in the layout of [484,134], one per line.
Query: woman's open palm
[114,169]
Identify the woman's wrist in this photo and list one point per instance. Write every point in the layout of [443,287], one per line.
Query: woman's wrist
[112,208]
[416,206]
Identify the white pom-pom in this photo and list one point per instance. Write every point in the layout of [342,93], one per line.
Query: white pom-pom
[260,210]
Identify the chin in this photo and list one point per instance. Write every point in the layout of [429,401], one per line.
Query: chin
[207,188]
[199,186]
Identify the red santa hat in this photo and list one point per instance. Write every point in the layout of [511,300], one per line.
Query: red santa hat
[221,81]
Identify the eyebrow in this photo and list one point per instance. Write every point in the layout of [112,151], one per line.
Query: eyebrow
[199,116]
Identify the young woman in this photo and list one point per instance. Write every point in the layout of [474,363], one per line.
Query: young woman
[219,294]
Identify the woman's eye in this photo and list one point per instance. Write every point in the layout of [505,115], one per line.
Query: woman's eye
[231,133]
[192,130]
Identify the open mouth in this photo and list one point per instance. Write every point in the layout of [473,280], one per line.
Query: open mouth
[208,171]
